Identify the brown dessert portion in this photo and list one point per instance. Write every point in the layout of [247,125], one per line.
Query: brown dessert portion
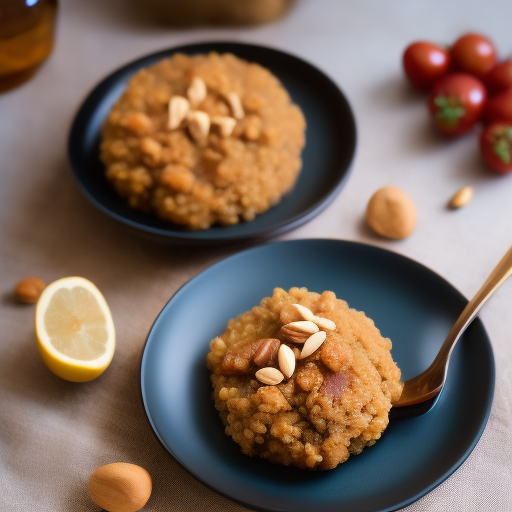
[303,379]
[203,139]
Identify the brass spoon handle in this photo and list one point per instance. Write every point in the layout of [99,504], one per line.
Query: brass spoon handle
[499,275]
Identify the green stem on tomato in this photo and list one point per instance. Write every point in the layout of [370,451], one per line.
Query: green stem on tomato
[502,145]
[449,111]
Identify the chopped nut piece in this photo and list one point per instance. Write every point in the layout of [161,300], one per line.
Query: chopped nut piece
[299,332]
[226,124]
[197,91]
[286,360]
[313,343]
[461,197]
[235,105]
[271,376]
[178,110]
[198,124]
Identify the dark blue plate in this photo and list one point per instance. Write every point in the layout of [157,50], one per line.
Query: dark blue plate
[330,147]
[408,302]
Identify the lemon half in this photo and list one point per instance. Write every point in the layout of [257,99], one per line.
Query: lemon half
[74,329]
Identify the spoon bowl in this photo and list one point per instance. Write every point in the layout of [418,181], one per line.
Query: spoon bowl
[421,393]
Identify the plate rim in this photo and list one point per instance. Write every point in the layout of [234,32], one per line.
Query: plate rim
[241,253]
[84,113]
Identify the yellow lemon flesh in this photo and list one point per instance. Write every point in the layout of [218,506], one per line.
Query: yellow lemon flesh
[74,329]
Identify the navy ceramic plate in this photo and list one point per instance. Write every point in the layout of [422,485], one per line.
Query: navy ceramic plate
[330,146]
[408,302]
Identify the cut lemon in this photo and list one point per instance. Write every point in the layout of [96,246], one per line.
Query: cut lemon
[74,329]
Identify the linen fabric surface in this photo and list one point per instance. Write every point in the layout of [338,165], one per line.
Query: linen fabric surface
[54,434]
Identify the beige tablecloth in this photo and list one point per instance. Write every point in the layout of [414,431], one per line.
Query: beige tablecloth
[53,434]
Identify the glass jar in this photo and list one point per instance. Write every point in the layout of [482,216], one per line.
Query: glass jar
[26,38]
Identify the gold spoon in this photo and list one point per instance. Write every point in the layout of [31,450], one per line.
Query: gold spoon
[421,392]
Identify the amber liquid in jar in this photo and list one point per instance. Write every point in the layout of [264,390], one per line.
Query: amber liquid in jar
[26,38]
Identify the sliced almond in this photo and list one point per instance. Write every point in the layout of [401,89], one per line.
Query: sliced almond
[270,376]
[461,197]
[226,124]
[324,323]
[178,110]
[198,124]
[305,312]
[197,91]
[286,359]
[235,105]
[299,332]
[313,343]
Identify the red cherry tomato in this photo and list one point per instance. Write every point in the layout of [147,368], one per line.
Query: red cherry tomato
[499,107]
[456,102]
[496,146]
[424,63]
[473,53]
[500,77]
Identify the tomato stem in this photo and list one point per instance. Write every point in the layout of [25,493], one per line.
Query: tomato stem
[449,111]
[502,150]
[502,145]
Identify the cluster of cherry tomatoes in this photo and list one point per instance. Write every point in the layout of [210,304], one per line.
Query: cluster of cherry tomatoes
[467,84]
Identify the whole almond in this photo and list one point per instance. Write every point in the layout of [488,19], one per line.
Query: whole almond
[120,487]
[270,376]
[178,110]
[462,197]
[313,343]
[29,290]
[266,354]
[286,360]
[197,91]
[299,332]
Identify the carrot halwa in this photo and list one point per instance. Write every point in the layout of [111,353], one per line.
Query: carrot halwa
[204,139]
[324,396]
